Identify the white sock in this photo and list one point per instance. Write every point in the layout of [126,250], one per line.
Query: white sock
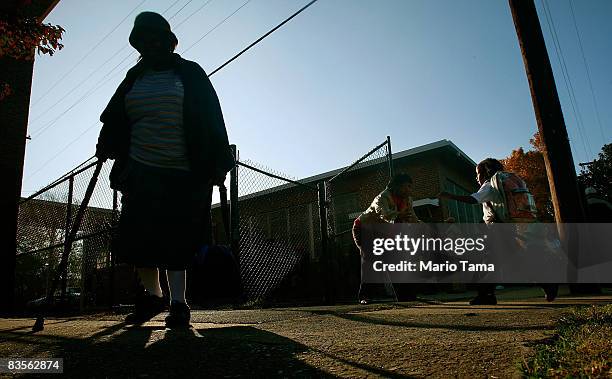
[176,283]
[149,277]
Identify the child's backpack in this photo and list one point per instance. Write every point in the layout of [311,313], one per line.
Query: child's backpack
[518,204]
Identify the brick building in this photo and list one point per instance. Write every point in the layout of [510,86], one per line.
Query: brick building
[283,221]
[281,253]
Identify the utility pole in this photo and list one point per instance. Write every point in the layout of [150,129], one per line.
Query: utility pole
[13,136]
[560,169]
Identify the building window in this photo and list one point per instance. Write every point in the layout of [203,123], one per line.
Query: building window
[345,207]
[292,226]
[301,227]
[270,225]
[462,212]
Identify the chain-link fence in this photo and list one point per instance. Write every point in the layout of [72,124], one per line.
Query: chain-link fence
[348,193]
[279,233]
[290,236]
[45,222]
[282,252]
[351,191]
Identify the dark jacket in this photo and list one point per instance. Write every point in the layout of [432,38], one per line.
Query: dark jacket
[206,140]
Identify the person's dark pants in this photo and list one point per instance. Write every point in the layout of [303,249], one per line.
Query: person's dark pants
[367,291]
[404,291]
[486,289]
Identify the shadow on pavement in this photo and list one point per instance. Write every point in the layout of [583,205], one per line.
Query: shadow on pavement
[29,327]
[357,317]
[150,351]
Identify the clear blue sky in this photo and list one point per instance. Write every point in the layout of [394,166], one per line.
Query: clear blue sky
[336,80]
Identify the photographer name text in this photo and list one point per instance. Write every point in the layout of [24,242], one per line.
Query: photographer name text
[430,266]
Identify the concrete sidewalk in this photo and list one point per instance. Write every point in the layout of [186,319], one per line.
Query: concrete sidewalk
[379,340]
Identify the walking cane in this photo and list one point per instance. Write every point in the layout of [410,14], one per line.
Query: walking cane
[225,211]
[40,320]
[225,215]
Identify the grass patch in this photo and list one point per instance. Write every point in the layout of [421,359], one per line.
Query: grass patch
[581,346]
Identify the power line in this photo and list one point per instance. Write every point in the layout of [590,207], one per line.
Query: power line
[91,74]
[61,151]
[262,37]
[89,52]
[100,84]
[67,173]
[571,141]
[215,27]
[97,86]
[170,7]
[568,83]
[179,11]
[588,72]
[192,13]
[209,75]
[87,78]
[39,132]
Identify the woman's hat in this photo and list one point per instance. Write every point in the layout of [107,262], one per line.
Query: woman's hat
[150,21]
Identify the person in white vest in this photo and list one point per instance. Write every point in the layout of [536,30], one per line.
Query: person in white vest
[505,198]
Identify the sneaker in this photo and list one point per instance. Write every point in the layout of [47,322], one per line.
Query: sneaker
[147,307]
[179,316]
[484,300]
[551,291]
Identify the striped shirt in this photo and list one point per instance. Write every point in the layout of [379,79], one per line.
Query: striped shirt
[154,108]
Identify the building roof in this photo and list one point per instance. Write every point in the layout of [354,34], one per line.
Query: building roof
[395,156]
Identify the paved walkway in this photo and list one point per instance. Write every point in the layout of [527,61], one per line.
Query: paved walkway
[385,340]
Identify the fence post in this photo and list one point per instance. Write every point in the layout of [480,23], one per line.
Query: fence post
[67,244]
[390,158]
[115,219]
[234,211]
[326,259]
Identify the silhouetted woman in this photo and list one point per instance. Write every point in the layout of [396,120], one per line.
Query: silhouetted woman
[165,130]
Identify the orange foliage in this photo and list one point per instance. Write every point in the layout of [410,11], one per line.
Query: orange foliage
[529,165]
[20,36]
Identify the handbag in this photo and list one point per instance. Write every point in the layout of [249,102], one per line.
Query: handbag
[215,273]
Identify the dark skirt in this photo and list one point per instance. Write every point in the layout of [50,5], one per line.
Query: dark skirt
[165,217]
